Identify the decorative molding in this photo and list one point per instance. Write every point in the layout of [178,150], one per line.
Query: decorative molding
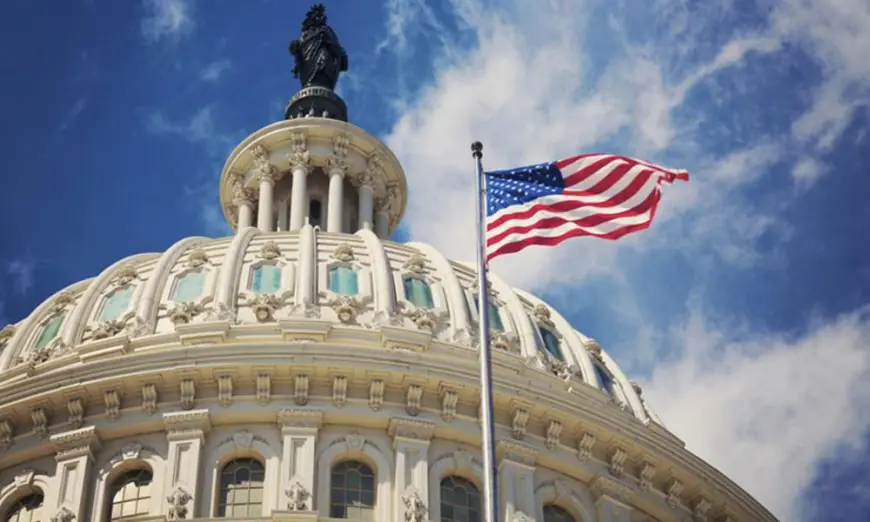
[611,487]
[300,157]
[518,423]
[343,253]
[75,443]
[554,430]
[404,428]
[415,265]
[646,475]
[415,508]
[299,418]
[449,401]
[701,509]
[674,492]
[413,399]
[339,391]
[40,422]
[346,308]
[149,398]
[300,395]
[541,313]
[112,400]
[76,410]
[187,424]
[517,452]
[376,394]
[264,389]
[178,501]
[63,515]
[131,451]
[188,394]
[617,462]
[7,432]
[297,497]
[584,446]
[225,390]
[269,251]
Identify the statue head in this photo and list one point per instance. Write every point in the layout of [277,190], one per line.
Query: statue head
[316,17]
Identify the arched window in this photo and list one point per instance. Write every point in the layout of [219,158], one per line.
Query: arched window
[116,304]
[27,509]
[49,331]
[241,493]
[553,513]
[130,495]
[605,379]
[315,209]
[188,287]
[418,292]
[551,343]
[352,491]
[495,322]
[266,279]
[343,280]
[460,500]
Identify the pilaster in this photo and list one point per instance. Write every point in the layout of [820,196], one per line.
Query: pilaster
[411,438]
[186,432]
[75,457]
[612,499]
[516,476]
[299,429]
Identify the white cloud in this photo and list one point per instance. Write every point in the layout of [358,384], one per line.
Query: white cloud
[767,408]
[73,114]
[215,70]
[167,19]
[21,271]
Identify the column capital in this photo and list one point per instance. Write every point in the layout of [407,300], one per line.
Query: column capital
[268,174]
[511,451]
[193,424]
[289,419]
[76,443]
[408,429]
[243,196]
[610,489]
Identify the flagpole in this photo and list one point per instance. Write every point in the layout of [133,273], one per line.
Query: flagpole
[490,488]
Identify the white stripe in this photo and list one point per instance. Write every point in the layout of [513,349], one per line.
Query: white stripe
[571,215]
[593,179]
[582,163]
[645,189]
[600,229]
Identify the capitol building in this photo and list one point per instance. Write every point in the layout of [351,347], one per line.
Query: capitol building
[308,369]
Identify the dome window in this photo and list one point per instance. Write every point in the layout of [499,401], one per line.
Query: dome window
[116,303]
[460,500]
[241,493]
[26,509]
[495,322]
[553,513]
[605,379]
[551,343]
[130,495]
[352,491]
[266,279]
[418,292]
[315,212]
[49,331]
[343,280]
[188,287]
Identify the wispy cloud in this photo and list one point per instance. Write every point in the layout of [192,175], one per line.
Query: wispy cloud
[167,19]
[215,70]
[20,272]
[72,114]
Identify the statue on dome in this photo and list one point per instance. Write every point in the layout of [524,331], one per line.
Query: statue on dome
[319,57]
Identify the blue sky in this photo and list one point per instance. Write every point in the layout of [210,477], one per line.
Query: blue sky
[743,310]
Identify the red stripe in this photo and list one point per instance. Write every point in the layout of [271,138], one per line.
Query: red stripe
[516,246]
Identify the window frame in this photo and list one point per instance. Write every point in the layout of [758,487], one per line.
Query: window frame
[112,490]
[220,502]
[467,482]
[331,504]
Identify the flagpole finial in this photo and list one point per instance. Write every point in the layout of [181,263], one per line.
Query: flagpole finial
[477,149]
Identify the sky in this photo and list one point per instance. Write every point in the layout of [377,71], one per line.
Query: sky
[744,311]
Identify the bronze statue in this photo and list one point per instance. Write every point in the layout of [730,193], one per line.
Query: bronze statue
[319,57]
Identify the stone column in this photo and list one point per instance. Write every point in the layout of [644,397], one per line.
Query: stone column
[299,197]
[385,206]
[411,439]
[366,204]
[266,177]
[516,471]
[299,433]
[243,199]
[283,215]
[382,224]
[186,433]
[612,502]
[335,205]
[75,457]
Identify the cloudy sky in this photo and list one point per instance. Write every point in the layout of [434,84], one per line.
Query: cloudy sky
[744,310]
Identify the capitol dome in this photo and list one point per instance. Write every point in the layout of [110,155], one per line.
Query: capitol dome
[308,368]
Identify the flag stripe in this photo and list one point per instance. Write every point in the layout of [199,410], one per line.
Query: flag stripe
[599,195]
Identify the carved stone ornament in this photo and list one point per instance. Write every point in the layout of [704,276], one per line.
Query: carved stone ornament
[343,252]
[7,431]
[243,196]
[126,275]
[337,161]
[542,314]
[178,501]
[260,160]
[264,306]
[354,441]
[504,341]
[593,348]
[519,516]
[243,439]
[53,350]
[107,329]
[415,508]
[416,264]
[390,202]
[346,308]
[299,156]
[137,327]
[269,251]
[63,515]
[62,300]
[183,313]
[424,319]
[297,497]
[131,451]
[6,335]
[197,257]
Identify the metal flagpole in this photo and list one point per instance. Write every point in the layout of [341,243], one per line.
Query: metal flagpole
[490,488]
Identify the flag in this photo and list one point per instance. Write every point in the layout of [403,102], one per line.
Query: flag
[600,195]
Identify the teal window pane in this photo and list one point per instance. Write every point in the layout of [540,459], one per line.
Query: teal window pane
[418,292]
[189,287]
[49,331]
[343,280]
[551,343]
[267,279]
[494,317]
[116,304]
[605,379]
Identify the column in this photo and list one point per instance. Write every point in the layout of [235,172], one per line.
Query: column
[185,431]
[516,471]
[243,199]
[266,177]
[411,438]
[75,457]
[612,499]
[366,202]
[299,433]
[283,215]
[299,196]
[335,205]
[382,224]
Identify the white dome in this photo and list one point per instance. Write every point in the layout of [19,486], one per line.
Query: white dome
[200,280]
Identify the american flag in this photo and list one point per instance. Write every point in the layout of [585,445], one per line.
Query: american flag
[598,195]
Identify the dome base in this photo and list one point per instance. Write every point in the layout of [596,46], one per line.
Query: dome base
[318,102]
